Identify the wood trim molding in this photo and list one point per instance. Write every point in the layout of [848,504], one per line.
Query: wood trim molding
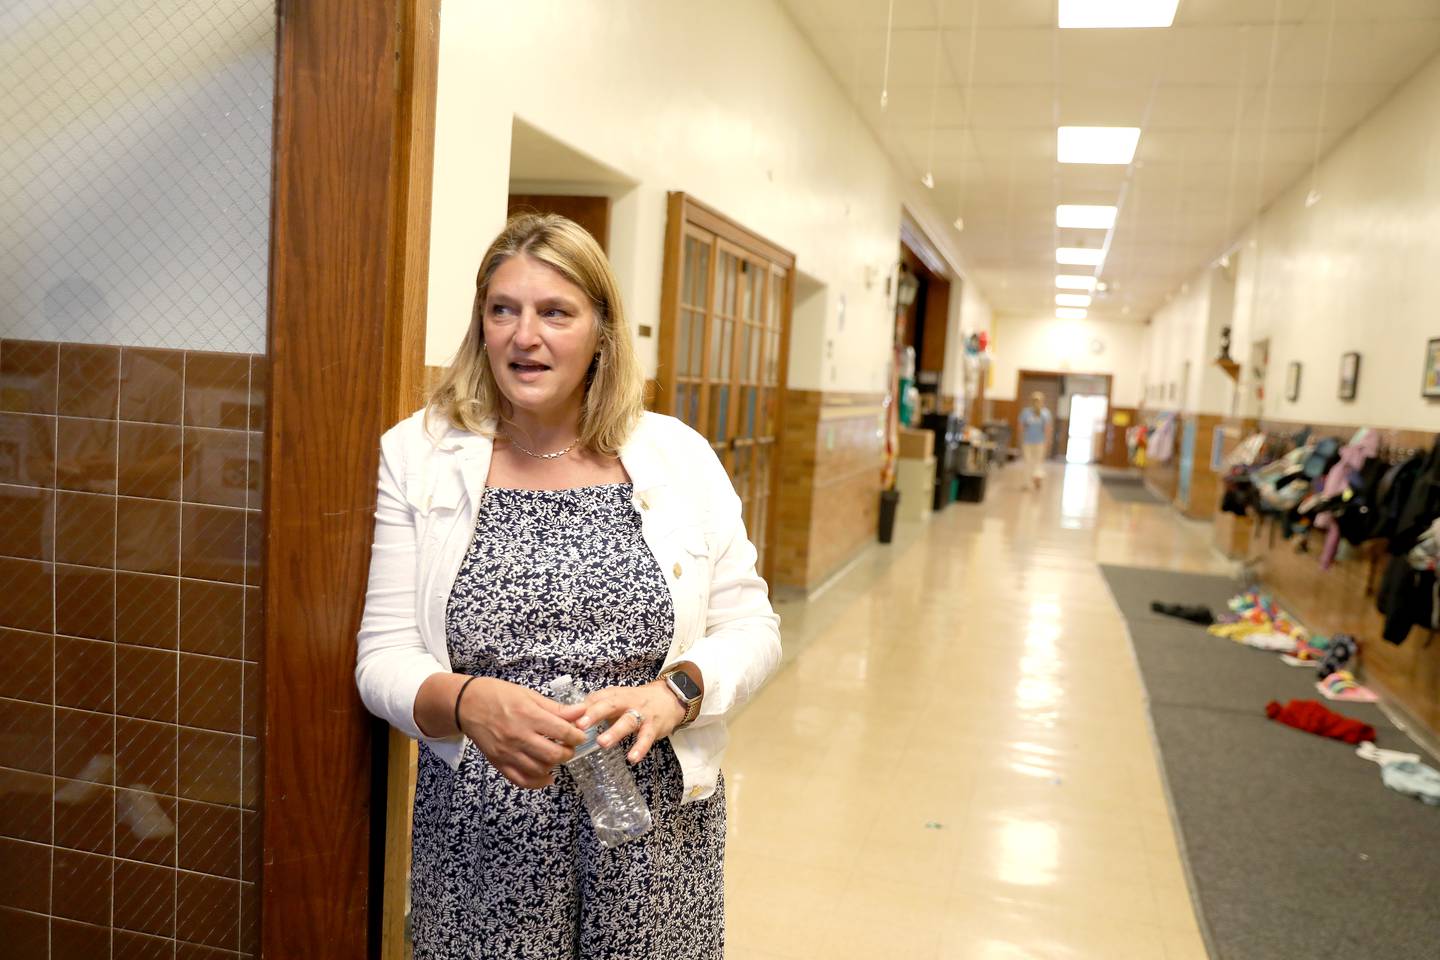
[354,117]
[772,520]
[419,49]
[708,218]
[670,301]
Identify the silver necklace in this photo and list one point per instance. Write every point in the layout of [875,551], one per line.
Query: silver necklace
[541,456]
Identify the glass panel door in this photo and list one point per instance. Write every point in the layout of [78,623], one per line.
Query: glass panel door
[693,319]
[726,373]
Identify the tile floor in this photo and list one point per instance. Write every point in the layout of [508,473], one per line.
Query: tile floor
[954,760]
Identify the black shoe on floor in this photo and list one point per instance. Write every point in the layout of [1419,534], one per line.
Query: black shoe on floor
[1198,615]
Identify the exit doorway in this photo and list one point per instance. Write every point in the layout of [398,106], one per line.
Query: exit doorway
[1088,412]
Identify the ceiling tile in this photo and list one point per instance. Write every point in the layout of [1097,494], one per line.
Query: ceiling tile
[1111,58]
[1193,107]
[1005,55]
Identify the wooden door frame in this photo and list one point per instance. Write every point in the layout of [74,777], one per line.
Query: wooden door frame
[354,117]
[684,209]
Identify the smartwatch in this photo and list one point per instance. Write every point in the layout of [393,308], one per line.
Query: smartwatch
[686,690]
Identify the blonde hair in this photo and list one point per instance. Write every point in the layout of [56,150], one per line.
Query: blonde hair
[467,394]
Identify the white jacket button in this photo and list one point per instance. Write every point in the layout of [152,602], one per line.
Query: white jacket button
[676,569]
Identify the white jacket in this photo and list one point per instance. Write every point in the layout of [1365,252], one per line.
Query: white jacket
[431,483]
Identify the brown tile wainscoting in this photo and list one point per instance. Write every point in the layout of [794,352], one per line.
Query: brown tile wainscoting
[830,459]
[1203,497]
[130,535]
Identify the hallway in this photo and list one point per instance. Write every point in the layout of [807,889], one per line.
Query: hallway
[955,760]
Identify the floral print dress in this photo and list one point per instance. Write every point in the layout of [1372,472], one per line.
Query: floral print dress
[556,582]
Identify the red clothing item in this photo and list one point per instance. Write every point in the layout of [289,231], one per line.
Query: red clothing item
[1312,717]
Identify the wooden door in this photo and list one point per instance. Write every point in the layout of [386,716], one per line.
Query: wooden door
[723,350]
[592,213]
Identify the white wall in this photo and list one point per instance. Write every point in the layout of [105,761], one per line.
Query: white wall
[725,101]
[1045,343]
[1187,330]
[1359,270]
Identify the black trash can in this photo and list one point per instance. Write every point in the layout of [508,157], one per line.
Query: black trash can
[889,504]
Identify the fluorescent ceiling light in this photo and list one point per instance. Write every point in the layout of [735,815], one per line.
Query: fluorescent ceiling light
[1072,299]
[1091,14]
[1080,256]
[1070,281]
[1084,217]
[1096,144]
[1069,313]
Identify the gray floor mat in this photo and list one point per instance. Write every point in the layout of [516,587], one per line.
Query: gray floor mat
[1295,848]
[1128,489]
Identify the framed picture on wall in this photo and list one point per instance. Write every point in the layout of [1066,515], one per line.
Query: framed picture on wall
[1431,386]
[1292,381]
[1349,375]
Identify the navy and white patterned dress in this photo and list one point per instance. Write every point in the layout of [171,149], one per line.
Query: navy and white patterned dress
[560,581]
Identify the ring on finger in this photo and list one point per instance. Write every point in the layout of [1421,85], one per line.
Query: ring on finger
[637,716]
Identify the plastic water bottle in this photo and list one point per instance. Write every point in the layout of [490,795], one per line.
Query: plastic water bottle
[616,808]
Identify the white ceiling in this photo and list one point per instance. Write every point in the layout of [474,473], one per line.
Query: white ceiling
[1210,155]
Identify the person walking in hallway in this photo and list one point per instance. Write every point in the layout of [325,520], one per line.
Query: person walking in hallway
[1037,430]
[534,521]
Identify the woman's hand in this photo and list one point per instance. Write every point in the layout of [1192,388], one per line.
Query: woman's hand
[654,702]
[523,734]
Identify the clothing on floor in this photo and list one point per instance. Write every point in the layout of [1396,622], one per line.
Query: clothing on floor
[1342,650]
[1269,640]
[1314,717]
[557,582]
[1368,751]
[1413,779]
[1194,613]
[1342,685]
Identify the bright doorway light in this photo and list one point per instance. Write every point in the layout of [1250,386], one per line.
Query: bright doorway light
[1084,216]
[1072,299]
[1096,144]
[1092,14]
[1079,256]
[1069,313]
[1070,281]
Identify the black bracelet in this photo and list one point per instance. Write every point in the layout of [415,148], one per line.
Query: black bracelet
[457,702]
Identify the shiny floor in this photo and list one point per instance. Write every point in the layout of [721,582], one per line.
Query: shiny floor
[955,759]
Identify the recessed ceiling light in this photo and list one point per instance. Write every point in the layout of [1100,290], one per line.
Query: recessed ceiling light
[1096,144]
[1084,217]
[1070,281]
[928,180]
[1080,256]
[1092,14]
[1072,299]
[1069,313]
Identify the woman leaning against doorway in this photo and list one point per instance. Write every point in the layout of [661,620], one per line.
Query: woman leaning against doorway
[534,521]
